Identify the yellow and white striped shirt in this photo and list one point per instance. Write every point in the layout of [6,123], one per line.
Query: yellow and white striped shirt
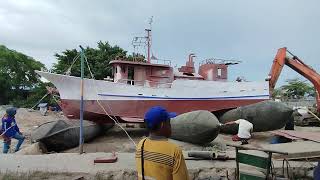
[163,160]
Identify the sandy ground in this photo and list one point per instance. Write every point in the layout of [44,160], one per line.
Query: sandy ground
[114,140]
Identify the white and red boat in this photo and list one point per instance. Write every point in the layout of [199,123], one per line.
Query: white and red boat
[137,86]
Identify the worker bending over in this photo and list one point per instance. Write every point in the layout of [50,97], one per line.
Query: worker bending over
[156,157]
[244,132]
[10,130]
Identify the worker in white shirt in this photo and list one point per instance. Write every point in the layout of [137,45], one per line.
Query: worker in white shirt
[244,132]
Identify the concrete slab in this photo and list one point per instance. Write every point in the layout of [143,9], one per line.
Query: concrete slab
[72,162]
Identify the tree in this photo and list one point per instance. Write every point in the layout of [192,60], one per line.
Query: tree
[277,93]
[17,74]
[34,96]
[98,59]
[5,88]
[297,89]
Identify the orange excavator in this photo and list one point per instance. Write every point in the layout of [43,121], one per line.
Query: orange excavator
[297,65]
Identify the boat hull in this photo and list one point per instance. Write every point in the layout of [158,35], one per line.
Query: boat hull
[135,109]
[125,101]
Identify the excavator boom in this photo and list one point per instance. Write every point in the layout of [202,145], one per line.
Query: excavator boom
[297,65]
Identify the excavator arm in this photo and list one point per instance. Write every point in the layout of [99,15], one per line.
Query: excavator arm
[297,65]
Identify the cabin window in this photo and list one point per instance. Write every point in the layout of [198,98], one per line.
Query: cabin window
[115,70]
[219,72]
[131,75]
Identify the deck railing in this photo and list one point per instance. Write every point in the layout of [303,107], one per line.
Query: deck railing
[219,61]
[145,83]
[161,61]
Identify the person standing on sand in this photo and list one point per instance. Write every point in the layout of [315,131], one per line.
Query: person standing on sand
[156,157]
[10,130]
[244,132]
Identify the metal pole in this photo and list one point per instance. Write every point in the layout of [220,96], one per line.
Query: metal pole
[237,164]
[269,164]
[148,44]
[81,102]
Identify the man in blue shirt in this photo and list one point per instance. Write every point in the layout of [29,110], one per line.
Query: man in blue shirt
[10,130]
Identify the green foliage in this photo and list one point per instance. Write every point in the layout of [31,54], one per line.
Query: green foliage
[34,96]
[136,57]
[5,88]
[98,59]
[277,93]
[17,75]
[297,89]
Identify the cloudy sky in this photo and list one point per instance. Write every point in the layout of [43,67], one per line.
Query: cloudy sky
[246,30]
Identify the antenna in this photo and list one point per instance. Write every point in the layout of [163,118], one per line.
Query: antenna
[149,38]
[150,22]
[143,41]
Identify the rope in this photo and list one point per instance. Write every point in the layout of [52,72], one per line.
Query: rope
[55,99]
[99,103]
[92,76]
[314,115]
[68,71]
[40,100]
[7,130]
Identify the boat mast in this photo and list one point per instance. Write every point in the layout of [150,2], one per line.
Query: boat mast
[143,42]
[148,43]
[149,38]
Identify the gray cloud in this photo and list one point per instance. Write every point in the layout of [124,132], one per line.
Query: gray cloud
[247,30]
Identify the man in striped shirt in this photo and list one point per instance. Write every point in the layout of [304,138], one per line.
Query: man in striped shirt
[156,157]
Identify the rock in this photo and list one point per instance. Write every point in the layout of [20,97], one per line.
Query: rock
[197,127]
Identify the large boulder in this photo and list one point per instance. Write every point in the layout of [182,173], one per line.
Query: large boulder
[198,127]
